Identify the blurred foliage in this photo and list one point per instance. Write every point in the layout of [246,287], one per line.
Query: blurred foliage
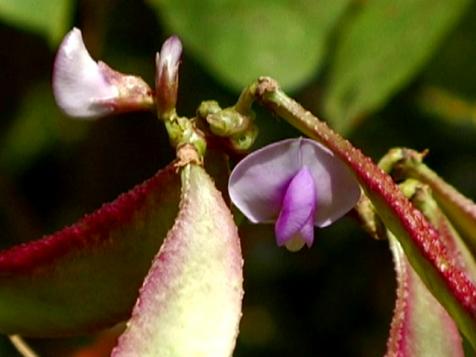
[47,18]
[380,49]
[388,73]
[39,128]
[255,38]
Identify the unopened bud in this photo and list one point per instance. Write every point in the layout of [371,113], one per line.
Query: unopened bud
[228,122]
[166,80]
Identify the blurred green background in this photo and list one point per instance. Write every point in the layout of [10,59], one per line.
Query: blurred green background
[384,73]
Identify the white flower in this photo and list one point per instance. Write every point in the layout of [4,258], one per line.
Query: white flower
[84,88]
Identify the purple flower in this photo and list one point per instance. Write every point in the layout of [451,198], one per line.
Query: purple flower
[84,88]
[296,183]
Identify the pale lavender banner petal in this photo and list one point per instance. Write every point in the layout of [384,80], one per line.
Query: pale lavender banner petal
[258,183]
[337,188]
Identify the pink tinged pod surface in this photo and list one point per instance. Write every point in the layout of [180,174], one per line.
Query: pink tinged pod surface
[86,276]
[420,325]
[262,187]
[190,302]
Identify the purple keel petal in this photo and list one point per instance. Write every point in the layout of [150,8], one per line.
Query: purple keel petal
[304,236]
[295,221]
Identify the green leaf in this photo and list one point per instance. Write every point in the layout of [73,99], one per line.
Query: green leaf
[453,69]
[448,90]
[420,325]
[240,40]
[48,18]
[87,276]
[381,50]
[190,303]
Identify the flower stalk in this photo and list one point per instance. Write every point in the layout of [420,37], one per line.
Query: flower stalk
[420,241]
[183,131]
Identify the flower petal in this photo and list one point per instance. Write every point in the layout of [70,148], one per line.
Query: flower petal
[302,237]
[337,188]
[298,209]
[258,183]
[78,82]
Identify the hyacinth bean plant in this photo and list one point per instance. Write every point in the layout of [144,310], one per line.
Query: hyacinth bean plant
[166,256]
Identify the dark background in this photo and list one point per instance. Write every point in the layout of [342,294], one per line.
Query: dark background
[335,299]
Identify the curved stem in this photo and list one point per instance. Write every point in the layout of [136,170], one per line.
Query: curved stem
[420,241]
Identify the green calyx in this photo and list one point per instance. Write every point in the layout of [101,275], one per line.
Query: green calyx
[228,122]
[184,132]
[244,140]
[234,123]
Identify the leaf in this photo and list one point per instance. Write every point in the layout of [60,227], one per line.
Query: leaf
[48,18]
[190,303]
[381,50]
[420,326]
[87,276]
[453,69]
[240,40]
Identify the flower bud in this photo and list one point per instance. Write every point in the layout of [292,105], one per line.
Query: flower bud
[166,80]
[228,122]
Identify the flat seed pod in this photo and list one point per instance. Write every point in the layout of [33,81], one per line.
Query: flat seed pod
[87,276]
[190,303]
[420,326]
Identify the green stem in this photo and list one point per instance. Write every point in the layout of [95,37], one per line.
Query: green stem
[183,131]
[246,100]
[420,241]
